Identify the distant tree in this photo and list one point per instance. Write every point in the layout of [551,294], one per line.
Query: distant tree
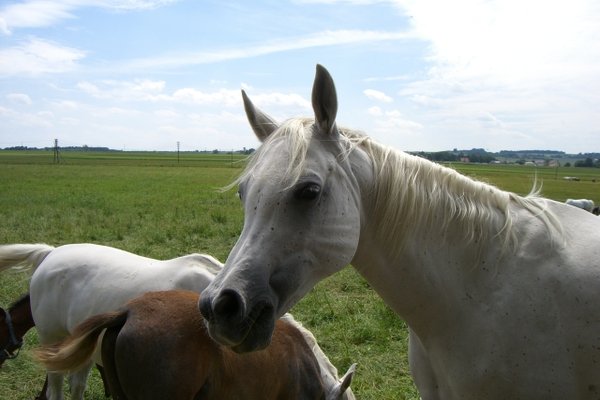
[588,162]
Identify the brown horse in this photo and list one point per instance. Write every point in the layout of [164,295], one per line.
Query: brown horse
[14,323]
[157,347]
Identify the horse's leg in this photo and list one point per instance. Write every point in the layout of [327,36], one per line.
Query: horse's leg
[54,389]
[42,395]
[78,379]
[112,382]
[104,381]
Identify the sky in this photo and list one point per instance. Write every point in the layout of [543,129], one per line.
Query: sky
[418,75]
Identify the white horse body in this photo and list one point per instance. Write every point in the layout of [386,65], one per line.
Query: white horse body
[585,204]
[73,282]
[500,291]
[95,279]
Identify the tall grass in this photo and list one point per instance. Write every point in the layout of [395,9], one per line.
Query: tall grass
[154,206]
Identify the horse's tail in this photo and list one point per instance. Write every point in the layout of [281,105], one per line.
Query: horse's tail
[77,349]
[26,256]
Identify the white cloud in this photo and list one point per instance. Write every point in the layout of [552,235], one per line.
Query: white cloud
[224,97]
[136,90]
[155,91]
[27,119]
[132,4]
[387,78]
[19,98]
[164,113]
[34,14]
[375,111]
[377,95]
[392,121]
[281,99]
[531,64]
[37,56]
[44,13]
[508,41]
[4,26]
[319,39]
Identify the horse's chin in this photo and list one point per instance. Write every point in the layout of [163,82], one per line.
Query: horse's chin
[250,336]
[253,342]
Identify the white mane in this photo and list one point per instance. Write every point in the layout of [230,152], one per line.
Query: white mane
[329,372]
[427,195]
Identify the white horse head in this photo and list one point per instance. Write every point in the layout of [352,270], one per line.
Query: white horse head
[302,203]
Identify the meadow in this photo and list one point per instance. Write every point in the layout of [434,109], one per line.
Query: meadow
[158,206]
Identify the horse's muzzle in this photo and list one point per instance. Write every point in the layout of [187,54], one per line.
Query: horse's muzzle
[231,323]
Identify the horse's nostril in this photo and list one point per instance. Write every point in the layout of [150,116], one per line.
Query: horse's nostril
[205,308]
[228,305]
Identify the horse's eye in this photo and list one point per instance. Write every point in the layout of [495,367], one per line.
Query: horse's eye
[308,191]
[239,195]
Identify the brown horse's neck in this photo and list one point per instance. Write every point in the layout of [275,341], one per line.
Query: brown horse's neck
[17,320]
[20,313]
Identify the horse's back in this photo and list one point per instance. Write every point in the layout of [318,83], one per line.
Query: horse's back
[78,280]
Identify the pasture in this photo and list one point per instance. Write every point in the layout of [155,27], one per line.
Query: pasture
[157,206]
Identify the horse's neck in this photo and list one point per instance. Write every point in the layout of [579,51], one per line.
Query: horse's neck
[21,316]
[415,282]
[410,271]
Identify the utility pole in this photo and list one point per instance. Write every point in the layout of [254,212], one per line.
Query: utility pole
[177,152]
[56,154]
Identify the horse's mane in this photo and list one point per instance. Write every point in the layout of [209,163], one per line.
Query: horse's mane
[330,370]
[416,191]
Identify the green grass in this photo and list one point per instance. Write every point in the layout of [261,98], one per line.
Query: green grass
[150,204]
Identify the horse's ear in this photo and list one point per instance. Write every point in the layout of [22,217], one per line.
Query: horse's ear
[324,101]
[261,123]
[343,384]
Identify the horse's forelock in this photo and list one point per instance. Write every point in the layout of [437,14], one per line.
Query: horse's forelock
[295,134]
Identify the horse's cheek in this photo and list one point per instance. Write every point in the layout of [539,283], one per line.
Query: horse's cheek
[340,227]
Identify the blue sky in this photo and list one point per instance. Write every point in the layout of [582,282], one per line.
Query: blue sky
[414,74]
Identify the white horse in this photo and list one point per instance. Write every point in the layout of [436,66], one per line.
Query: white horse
[73,282]
[585,204]
[500,291]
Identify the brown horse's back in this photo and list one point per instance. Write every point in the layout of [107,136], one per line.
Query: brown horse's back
[163,351]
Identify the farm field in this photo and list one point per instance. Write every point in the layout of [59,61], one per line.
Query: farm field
[157,206]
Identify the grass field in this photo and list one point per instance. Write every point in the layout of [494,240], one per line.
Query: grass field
[154,205]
